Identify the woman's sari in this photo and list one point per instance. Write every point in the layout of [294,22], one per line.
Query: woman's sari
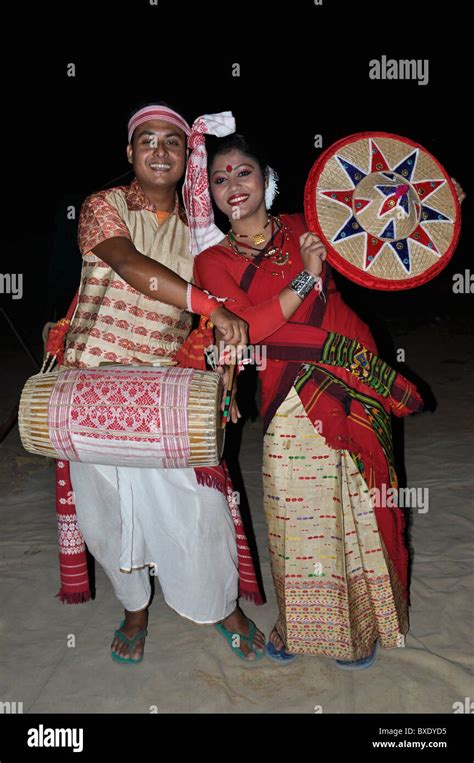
[338,554]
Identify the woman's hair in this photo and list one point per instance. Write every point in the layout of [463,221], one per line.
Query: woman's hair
[235,142]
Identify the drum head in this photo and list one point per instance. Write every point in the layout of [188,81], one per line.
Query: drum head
[386,210]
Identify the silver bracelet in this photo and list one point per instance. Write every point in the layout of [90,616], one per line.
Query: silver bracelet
[303,283]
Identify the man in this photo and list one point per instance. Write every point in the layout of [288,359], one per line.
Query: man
[134,290]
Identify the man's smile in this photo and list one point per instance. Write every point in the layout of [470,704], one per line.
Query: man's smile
[159,166]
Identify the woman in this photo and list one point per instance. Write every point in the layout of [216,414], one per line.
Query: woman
[339,564]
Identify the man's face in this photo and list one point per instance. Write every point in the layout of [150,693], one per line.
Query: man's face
[158,153]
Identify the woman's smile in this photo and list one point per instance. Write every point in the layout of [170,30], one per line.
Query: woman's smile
[238,198]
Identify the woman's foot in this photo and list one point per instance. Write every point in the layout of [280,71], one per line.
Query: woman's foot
[237,623]
[134,623]
[362,664]
[276,640]
[276,649]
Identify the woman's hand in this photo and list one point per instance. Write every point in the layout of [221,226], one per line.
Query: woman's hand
[459,191]
[313,253]
[232,328]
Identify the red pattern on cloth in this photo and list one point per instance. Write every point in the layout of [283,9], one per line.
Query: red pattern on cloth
[114,322]
[196,196]
[156,112]
[72,549]
[100,220]
[191,352]
[122,416]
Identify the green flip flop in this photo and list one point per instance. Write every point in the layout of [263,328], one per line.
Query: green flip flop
[230,638]
[130,642]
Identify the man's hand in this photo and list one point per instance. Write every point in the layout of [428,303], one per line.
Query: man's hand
[232,328]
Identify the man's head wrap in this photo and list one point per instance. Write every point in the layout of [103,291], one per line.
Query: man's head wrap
[157,112]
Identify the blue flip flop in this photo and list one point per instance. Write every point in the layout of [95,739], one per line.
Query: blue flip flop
[230,638]
[280,655]
[130,642]
[365,662]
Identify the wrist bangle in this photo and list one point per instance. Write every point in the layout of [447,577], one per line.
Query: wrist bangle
[303,283]
[189,306]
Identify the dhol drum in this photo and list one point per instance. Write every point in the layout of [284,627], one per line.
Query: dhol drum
[385,208]
[137,416]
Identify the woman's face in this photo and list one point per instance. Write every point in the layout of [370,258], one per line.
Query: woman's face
[237,185]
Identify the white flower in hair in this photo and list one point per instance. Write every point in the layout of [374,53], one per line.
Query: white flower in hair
[271,186]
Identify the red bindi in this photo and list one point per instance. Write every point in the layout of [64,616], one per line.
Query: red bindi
[229,168]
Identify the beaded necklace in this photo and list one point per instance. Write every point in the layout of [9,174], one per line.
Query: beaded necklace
[270,252]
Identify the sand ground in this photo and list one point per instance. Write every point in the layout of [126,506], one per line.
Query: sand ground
[189,668]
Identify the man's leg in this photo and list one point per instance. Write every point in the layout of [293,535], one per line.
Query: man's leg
[188,530]
[238,623]
[163,518]
[99,517]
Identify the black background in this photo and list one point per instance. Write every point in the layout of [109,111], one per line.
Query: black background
[304,71]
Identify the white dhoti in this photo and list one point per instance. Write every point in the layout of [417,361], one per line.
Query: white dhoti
[138,522]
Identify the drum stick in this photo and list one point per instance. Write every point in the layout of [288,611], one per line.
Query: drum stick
[228,395]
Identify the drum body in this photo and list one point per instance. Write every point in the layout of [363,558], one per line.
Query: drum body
[137,416]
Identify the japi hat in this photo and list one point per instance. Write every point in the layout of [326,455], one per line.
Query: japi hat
[385,208]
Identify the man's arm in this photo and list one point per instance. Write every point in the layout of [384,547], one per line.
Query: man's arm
[159,282]
[144,274]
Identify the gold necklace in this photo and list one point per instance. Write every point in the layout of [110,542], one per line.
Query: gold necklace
[281,258]
[257,238]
